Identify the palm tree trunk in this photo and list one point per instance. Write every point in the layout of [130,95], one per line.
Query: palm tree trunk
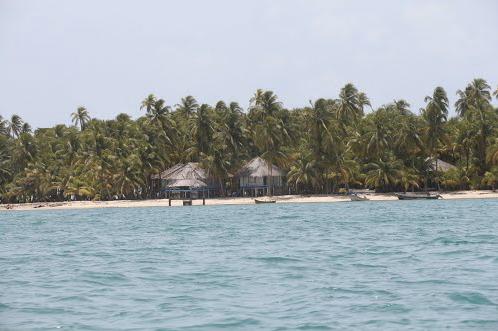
[270,181]
[220,180]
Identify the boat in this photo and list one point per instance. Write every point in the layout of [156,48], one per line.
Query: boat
[357,197]
[265,200]
[418,196]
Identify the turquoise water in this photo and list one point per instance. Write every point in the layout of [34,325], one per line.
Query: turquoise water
[417,265]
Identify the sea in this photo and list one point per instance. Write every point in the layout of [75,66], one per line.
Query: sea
[374,265]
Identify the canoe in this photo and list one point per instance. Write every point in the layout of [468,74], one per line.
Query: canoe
[418,196]
[264,201]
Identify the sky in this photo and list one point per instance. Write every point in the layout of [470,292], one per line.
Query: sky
[109,55]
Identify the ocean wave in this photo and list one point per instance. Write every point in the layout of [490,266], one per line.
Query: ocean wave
[474,298]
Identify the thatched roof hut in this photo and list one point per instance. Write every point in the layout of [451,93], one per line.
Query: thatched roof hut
[440,165]
[184,175]
[258,167]
[257,175]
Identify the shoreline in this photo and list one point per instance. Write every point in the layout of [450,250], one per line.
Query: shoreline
[483,194]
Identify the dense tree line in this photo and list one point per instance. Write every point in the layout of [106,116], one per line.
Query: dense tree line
[329,145]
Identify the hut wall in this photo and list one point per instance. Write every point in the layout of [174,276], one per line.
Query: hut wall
[251,181]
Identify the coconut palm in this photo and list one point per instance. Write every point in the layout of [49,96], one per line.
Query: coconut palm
[318,117]
[216,164]
[158,115]
[80,117]
[15,125]
[4,126]
[303,173]
[26,128]
[491,178]
[269,132]
[202,129]
[435,114]
[492,154]
[78,189]
[409,179]
[384,174]
[5,168]
[148,103]
[187,107]
[350,105]
[378,142]
[474,104]
[228,128]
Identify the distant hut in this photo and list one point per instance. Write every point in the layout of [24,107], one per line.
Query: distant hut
[439,165]
[254,178]
[186,179]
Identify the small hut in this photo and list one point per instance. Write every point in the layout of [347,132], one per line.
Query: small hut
[186,179]
[256,177]
[439,165]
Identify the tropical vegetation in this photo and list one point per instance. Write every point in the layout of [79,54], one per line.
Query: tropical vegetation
[329,145]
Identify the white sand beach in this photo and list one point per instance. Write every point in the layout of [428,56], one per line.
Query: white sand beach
[484,194]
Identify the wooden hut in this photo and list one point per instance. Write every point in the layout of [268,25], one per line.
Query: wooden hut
[186,180]
[439,165]
[257,178]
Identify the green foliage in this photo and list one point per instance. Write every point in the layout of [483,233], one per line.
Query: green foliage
[328,146]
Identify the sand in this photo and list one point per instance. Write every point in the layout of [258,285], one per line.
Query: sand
[227,201]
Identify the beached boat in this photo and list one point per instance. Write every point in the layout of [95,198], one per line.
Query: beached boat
[356,197]
[417,196]
[265,200]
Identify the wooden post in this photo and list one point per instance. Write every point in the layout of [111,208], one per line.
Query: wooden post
[169,202]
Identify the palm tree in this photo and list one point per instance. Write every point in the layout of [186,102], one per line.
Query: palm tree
[202,129]
[15,125]
[350,106]
[26,128]
[269,132]
[492,154]
[216,164]
[229,129]
[256,98]
[5,168]
[158,116]
[435,114]
[303,173]
[409,178]
[188,106]
[377,143]
[402,106]
[318,117]
[4,126]
[128,179]
[81,117]
[474,105]
[78,189]
[343,171]
[491,178]
[148,103]
[384,174]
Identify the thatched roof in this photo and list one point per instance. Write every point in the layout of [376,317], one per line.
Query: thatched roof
[258,167]
[441,165]
[184,175]
[187,183]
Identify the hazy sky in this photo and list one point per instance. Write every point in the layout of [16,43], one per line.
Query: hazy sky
[108,55]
